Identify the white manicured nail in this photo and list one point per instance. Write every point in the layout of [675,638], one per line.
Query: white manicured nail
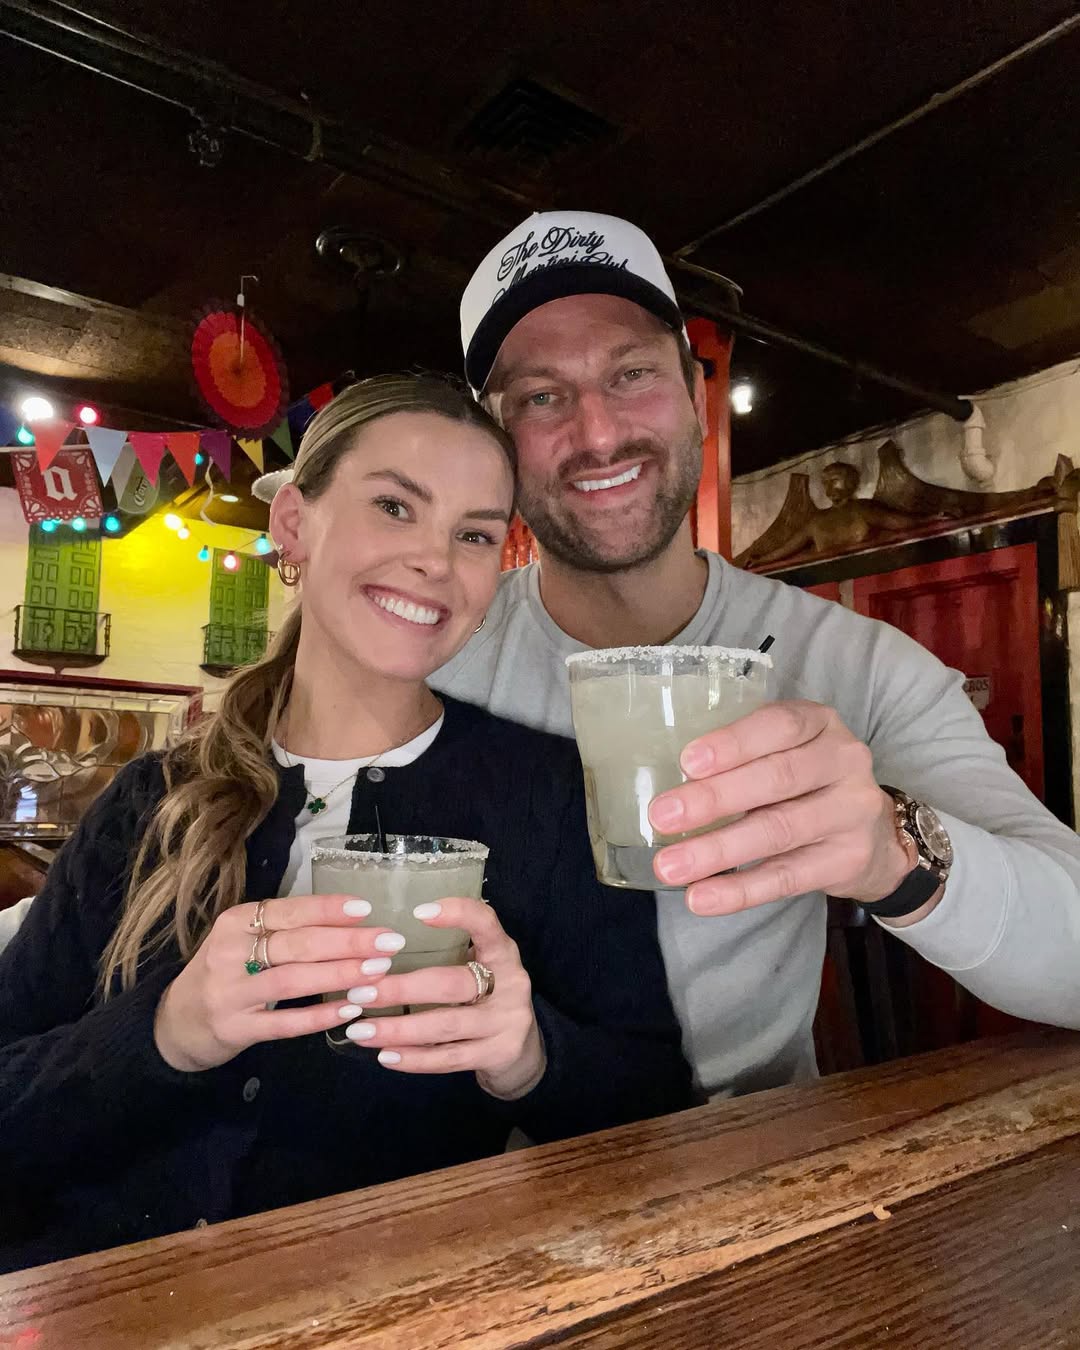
[429,911]
[365,993]
[389,942]
[376,965]
[360,1031]
[357,909]
[349,1010]
[387,1056]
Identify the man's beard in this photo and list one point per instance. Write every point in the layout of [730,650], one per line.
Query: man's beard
[566,539]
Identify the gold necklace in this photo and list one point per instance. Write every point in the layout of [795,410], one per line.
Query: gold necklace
[317,803]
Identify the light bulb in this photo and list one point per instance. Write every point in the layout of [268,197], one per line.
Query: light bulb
[229,497]
[230,562]
[24,436]
[111,524]
[200,458]
[173,521]
[88,415]
[204,554]
[37,409]
[183,532]
[49,525]
[78,524]
[262,544]
[742,397]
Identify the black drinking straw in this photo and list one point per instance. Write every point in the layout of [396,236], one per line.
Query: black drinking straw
[763,648]
[379,836]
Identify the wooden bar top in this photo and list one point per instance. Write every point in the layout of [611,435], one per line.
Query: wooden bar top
[928,1202]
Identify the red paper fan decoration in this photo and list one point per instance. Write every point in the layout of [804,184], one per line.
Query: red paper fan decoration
[249,396]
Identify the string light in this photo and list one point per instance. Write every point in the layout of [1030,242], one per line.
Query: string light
[183,532]
[262,544]
[229,497]
[200,458]
[204,554]
[24,436]
[88,415]
[49,525]
[78,525]
[37,409]
[230,562]
[173,521]
[112,524]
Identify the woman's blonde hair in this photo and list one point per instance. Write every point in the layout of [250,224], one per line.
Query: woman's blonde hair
[220,776]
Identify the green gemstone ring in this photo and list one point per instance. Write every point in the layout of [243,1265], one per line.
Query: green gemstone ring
[255,964]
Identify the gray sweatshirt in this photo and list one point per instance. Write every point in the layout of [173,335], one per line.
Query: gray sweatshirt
[746,985]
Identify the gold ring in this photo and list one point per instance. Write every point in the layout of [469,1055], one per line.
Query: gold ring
[258,923]
[485,982]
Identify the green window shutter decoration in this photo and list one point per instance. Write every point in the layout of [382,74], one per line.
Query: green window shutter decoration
[63,584]
[238,627]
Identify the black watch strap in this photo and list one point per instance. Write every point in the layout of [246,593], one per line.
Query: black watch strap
[912,893]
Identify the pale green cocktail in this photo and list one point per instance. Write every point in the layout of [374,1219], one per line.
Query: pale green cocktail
[635,711]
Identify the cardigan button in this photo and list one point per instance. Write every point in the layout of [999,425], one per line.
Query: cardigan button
[375,775]
[251,1089]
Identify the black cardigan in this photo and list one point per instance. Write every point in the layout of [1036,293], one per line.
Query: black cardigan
[102,1143]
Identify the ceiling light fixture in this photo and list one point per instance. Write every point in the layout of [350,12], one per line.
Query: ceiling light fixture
[742,398]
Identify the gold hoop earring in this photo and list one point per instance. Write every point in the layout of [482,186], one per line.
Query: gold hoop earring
[480,624]
[288,571]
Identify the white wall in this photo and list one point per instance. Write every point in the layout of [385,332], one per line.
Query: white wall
[1028,424]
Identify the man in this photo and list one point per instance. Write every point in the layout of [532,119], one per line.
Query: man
[574,340]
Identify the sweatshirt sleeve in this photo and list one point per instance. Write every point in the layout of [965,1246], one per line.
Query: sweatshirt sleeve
[76,1071]
[600,995]
[1008,924]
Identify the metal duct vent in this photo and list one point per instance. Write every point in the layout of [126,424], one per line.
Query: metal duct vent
[532,125]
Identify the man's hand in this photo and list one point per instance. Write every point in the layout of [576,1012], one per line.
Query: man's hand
[815,819]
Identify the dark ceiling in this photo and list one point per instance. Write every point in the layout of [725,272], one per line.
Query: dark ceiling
[949,252]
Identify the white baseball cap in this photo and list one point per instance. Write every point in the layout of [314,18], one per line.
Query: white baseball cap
[551,255]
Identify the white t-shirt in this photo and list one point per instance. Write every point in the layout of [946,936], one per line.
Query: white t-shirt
[323,776]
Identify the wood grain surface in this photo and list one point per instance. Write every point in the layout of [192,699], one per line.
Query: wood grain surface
[749,1222]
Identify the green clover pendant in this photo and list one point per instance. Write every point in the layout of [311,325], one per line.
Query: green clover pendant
[316,805]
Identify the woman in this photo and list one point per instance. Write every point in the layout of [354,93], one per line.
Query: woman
[162,1064]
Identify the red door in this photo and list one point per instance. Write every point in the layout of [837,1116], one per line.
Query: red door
[980,615]
[828,590]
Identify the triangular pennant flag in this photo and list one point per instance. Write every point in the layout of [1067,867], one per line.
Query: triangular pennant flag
[122,471]
[105,446]
[48,438]
[281,435]
[184,446]
[149,447]
[218,445]
[318,398]
[253,450]
[300,414]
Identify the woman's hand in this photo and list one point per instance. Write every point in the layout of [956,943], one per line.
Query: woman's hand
[497,1039]
[215,1008]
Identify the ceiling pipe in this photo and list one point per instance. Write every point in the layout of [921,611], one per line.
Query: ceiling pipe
[959,409]
[223,101]
[932,104]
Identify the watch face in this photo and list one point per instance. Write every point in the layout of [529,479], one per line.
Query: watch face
[933,836]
